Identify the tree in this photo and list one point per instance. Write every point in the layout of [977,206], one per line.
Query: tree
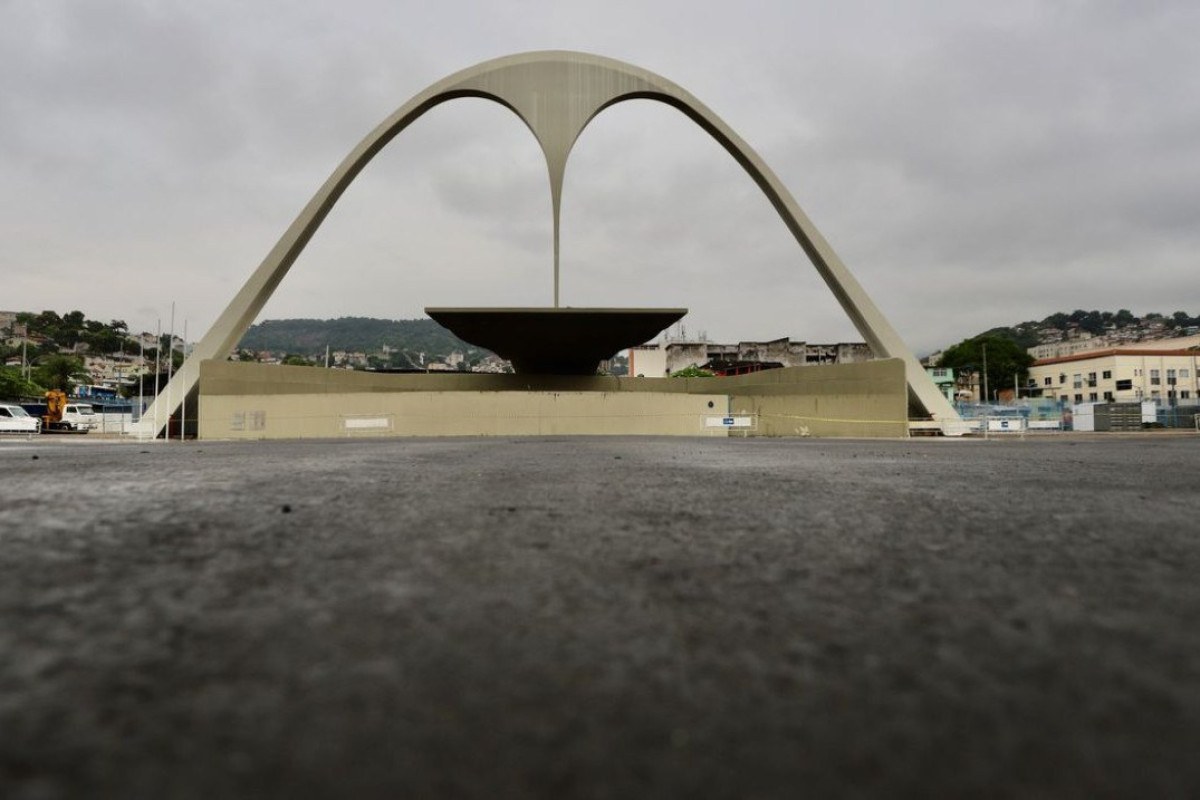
[1058,321]
[13,385]
[59,372]
[1092,322]
[293,360]
[1004,360]
[692,372]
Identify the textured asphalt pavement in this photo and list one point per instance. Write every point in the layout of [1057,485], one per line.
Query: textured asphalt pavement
[600,618]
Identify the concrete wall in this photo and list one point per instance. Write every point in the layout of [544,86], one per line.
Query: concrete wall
[463,413]
[257,401]
[860,400]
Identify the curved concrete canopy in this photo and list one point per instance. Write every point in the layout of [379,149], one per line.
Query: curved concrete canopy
[556,341]
[556,94]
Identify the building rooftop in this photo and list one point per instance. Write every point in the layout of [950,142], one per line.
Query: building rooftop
[1115,351]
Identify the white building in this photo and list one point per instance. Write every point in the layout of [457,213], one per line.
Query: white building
[1120,375]
[648,361]
[1115,339]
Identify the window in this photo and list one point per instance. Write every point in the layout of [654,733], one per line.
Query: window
[1108,395]
[1107,374]
[1170,377]
[1183,373]
[1092,397]
[1078,398]
[1047,381]
[1155,380]
[1062,378]
[1185,394]
[1137,373]
[1076,381]
[1065,398]
[1125,385]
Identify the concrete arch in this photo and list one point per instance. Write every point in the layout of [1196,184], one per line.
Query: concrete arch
[556,94]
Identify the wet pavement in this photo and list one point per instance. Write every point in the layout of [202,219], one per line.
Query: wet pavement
[600,617]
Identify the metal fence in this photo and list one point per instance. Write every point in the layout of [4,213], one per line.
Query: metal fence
[1048,414]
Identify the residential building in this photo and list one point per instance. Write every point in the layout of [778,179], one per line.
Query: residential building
[114,371]
[659,360]
[1120,375]
[1123,338]
[648,361]
[944,379]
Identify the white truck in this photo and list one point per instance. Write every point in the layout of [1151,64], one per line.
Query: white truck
[62,415]
[79,417]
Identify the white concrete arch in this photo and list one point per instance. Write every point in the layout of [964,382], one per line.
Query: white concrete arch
[556,94]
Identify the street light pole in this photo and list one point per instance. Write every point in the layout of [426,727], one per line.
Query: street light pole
[986,397]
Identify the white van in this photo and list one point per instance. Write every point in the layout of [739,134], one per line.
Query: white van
[14,419]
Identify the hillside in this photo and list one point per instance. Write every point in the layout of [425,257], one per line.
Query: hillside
[1060,326]
[356,334]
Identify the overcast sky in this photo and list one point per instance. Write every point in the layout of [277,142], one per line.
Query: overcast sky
[974,164]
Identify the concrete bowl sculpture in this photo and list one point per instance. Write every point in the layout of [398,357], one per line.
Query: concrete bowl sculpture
[556,341]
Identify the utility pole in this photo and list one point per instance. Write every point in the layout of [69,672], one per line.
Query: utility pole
[986,397]
[183,405]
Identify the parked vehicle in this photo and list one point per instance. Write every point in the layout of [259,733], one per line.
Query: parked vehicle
[14,419]
[60,416]
[79,417]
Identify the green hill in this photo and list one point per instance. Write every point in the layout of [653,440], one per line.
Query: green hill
[356,334]
[1032,333]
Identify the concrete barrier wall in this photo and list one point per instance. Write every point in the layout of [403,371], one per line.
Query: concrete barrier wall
[858,400]
[258,401]
[458,413]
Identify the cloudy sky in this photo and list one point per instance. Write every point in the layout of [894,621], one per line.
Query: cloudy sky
[974,163]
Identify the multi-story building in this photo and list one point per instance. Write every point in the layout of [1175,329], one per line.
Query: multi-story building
[659,360]
[1120,375]
[1069,347]
[1125,337]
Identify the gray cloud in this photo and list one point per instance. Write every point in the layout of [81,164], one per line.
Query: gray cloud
[974,163]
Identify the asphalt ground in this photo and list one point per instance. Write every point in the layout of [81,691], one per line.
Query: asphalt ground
[600,617]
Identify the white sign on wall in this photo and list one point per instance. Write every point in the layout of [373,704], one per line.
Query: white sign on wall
[729,422]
